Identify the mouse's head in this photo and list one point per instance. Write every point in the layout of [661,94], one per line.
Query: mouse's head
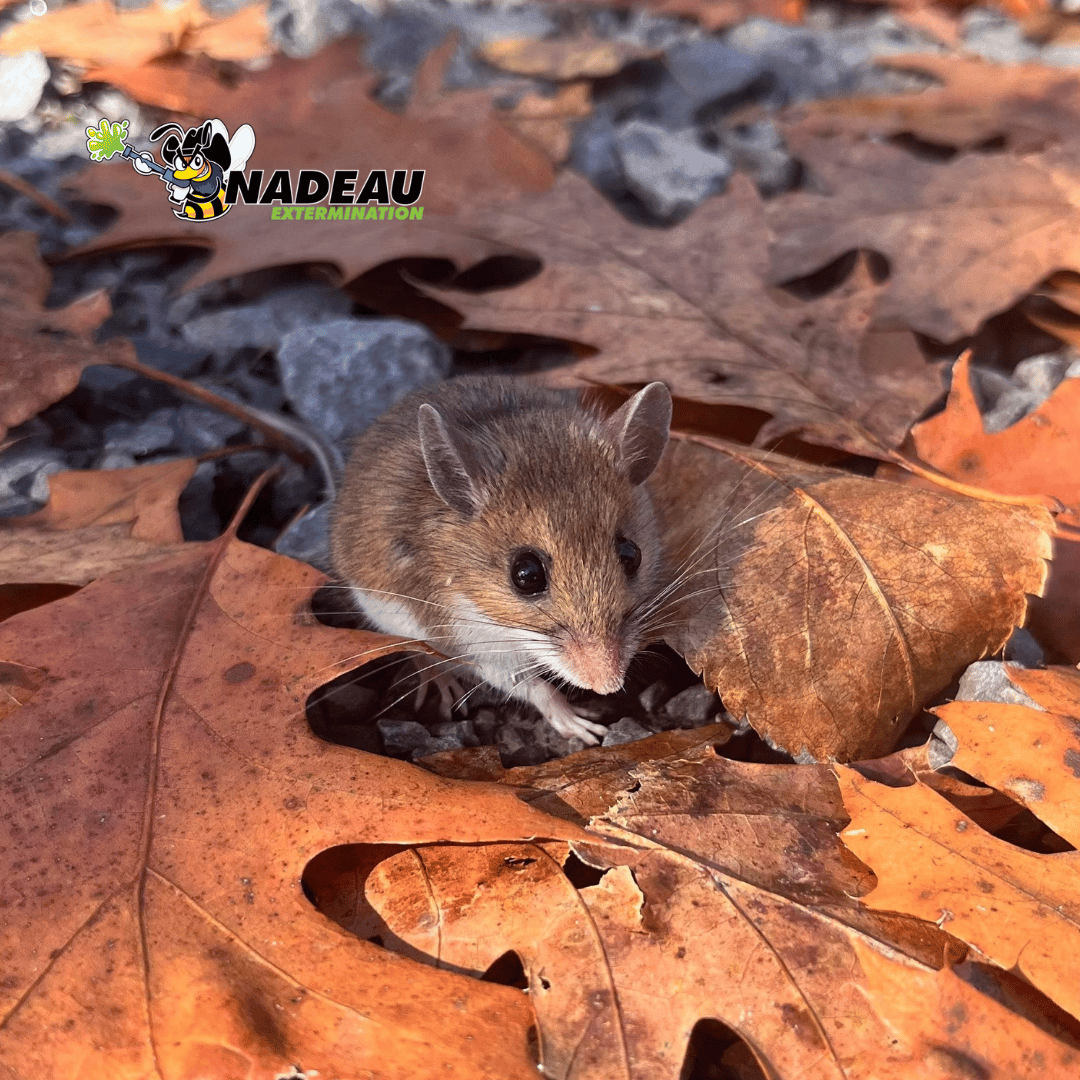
[551,540]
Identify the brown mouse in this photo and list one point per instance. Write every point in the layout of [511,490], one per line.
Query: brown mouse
[508,526]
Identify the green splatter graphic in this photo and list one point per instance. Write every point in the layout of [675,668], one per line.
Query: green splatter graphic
[106,139]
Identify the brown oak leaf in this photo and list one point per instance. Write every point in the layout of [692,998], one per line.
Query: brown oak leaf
[1020,909]
[689,306]
[43,353]
[965,240]
[162,795]
[828,608]
[1031,106]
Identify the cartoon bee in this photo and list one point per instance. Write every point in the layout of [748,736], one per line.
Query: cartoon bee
[201,162]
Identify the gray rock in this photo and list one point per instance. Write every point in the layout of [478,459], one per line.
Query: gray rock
[103,379]
[459,732]
[1061,56]
[24,473]
[625,730]
[340,376]
[520,745]
[654,696]
[711,74]
[996,37]
[115,459]
[1033,381]
[692,706]
[825,58]
[301,28]
[200,428]
[143,437]
[594,153]
[1023,649]
[404,738]
[198,518]
[265,324]
[986,680]
[22,78]
[942,746]
[758,150]
[484,722]
[308,539]
[670,173]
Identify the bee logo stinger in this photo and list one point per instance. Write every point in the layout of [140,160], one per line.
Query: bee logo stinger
[197,163]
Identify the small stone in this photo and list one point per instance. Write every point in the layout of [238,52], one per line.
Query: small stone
[24,473]
[115,459]
[198,518]
[670,173]
[986,680]
[143,437]
[1033,380]
[343,375]
[758,150]
[692,706]
[265,324]
[404,738]
[1024,650]
[461,730]
[624,731]
[654,696]
[995,36]
[22,78]
[200,428]
[485,722]
[942,746]
[308,539]
[520,746]
[710,71]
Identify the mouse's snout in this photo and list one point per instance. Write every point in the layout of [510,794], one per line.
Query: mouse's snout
[594,664]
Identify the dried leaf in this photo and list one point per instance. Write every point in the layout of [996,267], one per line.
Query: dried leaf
[828,608]
[584,57]
[239,37]
[96,522]
[1031,106]
[42,353]
[469,158]
[689,916]
[1037,455]
[965,240]
[1018,908]
[547,122]
[163,795]
[96,33]
[687,305]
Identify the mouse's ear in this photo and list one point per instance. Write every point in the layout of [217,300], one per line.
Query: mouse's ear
[639,431]
[456,464]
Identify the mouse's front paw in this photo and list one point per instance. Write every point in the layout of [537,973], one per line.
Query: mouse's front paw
[561,716]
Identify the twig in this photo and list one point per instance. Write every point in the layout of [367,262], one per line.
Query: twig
[296,442]
[20,185]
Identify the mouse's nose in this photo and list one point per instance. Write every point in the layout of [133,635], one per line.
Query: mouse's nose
[597,665]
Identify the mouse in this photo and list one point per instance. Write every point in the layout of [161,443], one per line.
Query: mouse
[509,526]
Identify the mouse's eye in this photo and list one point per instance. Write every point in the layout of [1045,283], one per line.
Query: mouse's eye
[629,555]
[527,573]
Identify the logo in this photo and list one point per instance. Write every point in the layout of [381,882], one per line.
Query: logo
[203,172]
[197,162]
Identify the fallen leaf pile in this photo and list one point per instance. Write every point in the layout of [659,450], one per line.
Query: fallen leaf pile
[95,33]
[194,885]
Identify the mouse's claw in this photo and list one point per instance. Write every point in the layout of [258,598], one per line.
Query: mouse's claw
[560,714]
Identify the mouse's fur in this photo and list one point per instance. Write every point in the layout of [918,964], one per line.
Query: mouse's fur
[440,494]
